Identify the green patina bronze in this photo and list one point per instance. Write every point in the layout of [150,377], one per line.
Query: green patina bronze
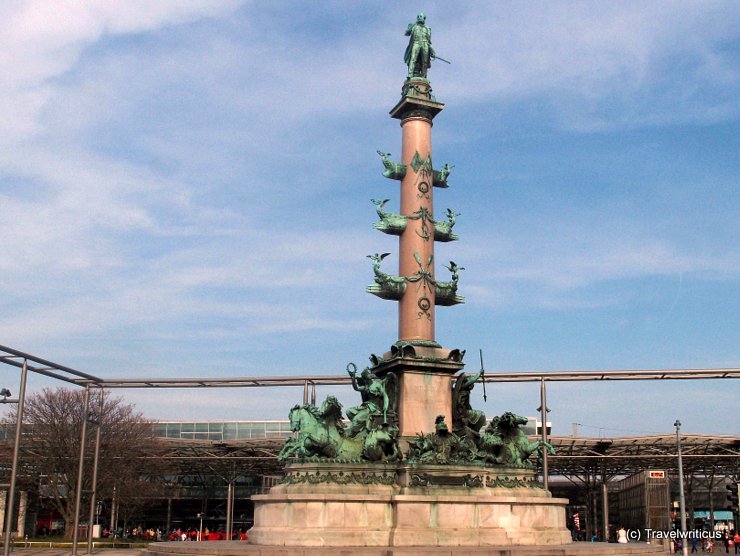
[323,435]
[395,224]
[379,400]
[393,288]
[464,481]
[408,350]
[501,443]
[443,230]
[372,433]
[426,219]
[504,443]
[393,170]
[446,292]
[440,176]
[386,286]
[440,447]
[513,482]
[340,478]
[466,421]
[390,223]
[397,171]
[418,88]
[423,165]
[419,52]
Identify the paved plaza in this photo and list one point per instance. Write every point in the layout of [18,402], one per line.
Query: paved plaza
[66,551]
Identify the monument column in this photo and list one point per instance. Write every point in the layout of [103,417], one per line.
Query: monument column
[416,246]
[422,367]
[413,467]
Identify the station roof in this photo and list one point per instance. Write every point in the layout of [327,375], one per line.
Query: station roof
[577,458]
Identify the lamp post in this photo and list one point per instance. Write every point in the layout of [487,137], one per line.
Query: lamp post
[16,448]
[544,410]
[681,498]
[97,421]
[80,469]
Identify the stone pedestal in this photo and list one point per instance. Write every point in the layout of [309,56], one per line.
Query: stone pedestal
[363,505]
[237,548]
[426,394]
[425,372]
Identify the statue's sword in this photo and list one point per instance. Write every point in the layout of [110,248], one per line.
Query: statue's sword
[483,376]
[441,59]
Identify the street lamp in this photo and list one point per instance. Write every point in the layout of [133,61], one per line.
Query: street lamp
[94,419]
[544,410]
[5,393]
[681,498]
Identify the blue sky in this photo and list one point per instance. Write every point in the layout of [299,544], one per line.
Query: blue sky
[185,191]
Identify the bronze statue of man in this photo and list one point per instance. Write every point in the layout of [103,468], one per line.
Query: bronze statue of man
[419,52]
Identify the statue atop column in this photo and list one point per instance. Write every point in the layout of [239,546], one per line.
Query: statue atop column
[419,52]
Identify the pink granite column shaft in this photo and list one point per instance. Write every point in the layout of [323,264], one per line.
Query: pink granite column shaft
[416,308]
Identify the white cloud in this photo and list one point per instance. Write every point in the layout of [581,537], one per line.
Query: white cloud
[555,265]
[597,65]
[186,183]
[40,41]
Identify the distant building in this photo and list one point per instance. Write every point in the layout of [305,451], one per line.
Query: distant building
[221,430]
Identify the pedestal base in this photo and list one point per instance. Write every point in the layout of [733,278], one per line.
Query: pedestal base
[235,548]
[355,505]
[425,374]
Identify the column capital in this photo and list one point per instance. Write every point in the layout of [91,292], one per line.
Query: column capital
[416,101]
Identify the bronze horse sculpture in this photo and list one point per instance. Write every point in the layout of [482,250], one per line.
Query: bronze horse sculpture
[321,434]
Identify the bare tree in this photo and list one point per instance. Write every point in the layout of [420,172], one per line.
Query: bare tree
[128,453]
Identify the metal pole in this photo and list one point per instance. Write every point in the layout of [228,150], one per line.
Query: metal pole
[543,418]
[80,469]
[605,507]
[99,419]
[118,508]
[169,516]
[313,393]
[305,392]
[113,513]
[229,510]
[681,498]
[16,450]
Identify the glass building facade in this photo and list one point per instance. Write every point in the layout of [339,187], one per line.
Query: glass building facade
[221,430]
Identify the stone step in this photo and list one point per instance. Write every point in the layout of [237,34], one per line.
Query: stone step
[226,548]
